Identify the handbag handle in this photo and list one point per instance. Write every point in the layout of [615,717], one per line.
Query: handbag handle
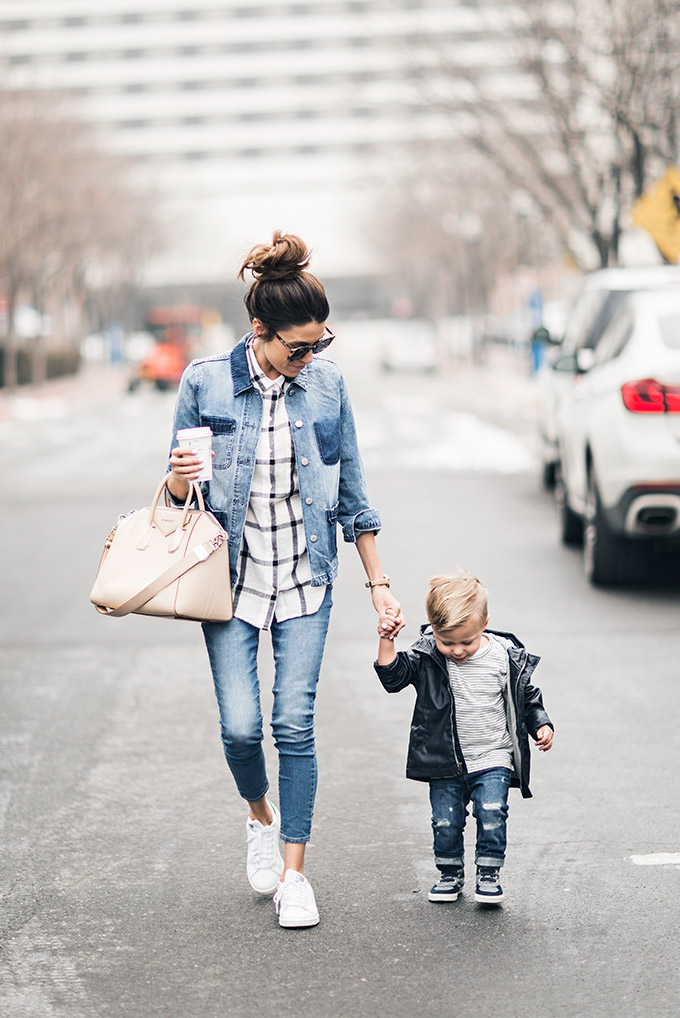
[146,536]
[194,492]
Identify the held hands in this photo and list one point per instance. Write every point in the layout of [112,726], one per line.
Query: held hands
[389,610]
[544,738]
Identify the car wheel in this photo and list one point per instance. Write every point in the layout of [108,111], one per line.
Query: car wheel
[571,525]
[607,558]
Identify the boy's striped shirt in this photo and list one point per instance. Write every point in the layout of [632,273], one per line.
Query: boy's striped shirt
[478,686]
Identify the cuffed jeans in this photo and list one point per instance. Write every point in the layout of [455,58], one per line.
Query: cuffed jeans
[449,798]
[298,646]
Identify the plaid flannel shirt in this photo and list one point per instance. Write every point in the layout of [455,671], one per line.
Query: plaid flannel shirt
[274,575]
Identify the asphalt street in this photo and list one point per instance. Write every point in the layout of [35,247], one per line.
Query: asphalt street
[123,842]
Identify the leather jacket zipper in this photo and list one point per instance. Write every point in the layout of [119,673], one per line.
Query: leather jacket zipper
[453,728]
[510,708]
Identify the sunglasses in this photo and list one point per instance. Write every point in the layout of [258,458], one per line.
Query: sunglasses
[296,353]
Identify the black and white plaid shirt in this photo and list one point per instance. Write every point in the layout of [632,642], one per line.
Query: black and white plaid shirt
[274,575]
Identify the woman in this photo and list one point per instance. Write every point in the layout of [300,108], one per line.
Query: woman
[286,471]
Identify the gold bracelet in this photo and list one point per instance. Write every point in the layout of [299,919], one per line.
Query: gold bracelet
[385,582]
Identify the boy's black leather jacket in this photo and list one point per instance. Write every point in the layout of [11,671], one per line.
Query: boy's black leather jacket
[434,750]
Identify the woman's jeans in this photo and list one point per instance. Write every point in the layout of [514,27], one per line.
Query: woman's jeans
[298,646]
[449,798]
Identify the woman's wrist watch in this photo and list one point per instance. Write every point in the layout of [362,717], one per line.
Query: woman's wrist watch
[385,582]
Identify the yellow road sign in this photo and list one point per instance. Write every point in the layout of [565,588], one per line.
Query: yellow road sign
[658,212]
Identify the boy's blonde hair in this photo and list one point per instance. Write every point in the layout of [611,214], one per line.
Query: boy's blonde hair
[453,600]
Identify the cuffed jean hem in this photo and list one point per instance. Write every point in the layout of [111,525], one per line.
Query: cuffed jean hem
[487,860]
[447,862]
[255,798]
[295,841]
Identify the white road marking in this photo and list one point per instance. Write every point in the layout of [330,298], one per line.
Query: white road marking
[657,859]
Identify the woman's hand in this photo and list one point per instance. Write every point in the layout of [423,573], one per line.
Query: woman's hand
[185,466]
[389,610]
[384,601]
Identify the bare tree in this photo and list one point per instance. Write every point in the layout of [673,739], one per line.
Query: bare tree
[64,207]
[448,228]
[586,111]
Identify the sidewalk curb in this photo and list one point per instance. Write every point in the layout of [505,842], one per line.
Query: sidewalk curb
[93,384]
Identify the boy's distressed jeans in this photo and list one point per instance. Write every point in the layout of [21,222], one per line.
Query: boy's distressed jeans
[449,797]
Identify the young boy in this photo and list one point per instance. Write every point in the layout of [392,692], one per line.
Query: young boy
[474,707]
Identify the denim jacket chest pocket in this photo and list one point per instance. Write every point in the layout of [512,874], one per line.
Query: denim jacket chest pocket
[327,432]
[224,431]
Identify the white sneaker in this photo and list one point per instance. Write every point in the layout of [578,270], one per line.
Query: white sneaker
[294,901]
[264,865]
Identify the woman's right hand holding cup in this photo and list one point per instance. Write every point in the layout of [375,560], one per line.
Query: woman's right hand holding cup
[185,466]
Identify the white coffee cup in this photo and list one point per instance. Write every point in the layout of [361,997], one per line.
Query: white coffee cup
[199,440]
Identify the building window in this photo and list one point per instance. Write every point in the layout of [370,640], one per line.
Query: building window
[253,118]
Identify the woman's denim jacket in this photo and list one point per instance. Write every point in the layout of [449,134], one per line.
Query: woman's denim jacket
[218,392]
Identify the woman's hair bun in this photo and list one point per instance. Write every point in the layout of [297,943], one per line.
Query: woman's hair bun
[285,257]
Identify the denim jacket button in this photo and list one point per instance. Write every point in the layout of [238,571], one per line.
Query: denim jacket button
[304,461]
[313,538]
[309,501]
[298,424]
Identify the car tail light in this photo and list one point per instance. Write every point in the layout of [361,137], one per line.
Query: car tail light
[651,397]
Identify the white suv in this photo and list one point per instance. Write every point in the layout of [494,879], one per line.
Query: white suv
[619,439]
[599,297]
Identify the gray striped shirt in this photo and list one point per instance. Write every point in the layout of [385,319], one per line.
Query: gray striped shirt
[478,686]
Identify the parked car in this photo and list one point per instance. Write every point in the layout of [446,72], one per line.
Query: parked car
[597,301]
[619,440]
[162,368]
[410,346]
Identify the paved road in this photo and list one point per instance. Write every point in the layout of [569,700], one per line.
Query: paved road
[122,847]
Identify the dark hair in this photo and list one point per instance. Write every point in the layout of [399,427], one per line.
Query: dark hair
[283,293]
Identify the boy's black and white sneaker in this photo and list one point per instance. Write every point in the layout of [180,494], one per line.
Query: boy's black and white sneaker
[448,887]
[488,890]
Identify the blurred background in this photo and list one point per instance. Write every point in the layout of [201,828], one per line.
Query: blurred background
[491,192]
[456,163]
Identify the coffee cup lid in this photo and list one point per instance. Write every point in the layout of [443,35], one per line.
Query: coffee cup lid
[194,433]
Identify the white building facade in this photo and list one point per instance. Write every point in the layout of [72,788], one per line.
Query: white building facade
[246,117]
